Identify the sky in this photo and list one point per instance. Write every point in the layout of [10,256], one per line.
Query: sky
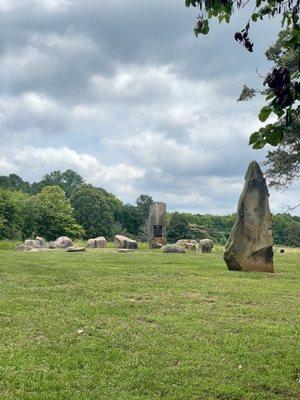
[122,92]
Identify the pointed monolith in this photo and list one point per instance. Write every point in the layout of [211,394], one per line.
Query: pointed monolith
[250,245]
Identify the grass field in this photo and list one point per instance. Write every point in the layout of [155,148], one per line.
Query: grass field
[146,325]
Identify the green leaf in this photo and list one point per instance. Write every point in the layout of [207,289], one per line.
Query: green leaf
[264,113]
[274,137]
[270,96]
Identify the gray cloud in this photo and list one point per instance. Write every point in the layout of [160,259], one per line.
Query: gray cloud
[124,93]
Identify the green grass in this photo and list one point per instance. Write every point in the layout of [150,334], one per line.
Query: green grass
[154,326]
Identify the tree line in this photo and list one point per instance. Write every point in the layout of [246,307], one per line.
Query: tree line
[63,204]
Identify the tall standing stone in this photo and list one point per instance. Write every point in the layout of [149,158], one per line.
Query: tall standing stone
[250,245]
[157,225]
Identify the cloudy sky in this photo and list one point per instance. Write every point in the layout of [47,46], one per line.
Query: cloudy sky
[122,92]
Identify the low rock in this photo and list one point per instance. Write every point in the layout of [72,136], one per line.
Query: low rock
[33,243]
[63,242]
[97,243]
[42,241]
[123,242]
[281,251]
[205,246]
[52,245]
[172,248]
[22,247]
[157,242]
[190,244]
[75,249]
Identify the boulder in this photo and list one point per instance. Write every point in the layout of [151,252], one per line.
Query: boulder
[250,245]
[123,242]
[205,246]
[97,243]
[63,242]
[75,249]
[172,248]
[33,243]
[52,245]
[42,241]
[157,242]
[190,244]
[22,247]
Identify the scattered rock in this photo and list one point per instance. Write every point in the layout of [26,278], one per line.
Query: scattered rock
[42,241]
[63,242]
[172,248]
[22,247]
[157,242]
[190,244]
[205,246]
[123,242]
[97,243]
[250,245]
[281,251]
[33,243]
[75,249]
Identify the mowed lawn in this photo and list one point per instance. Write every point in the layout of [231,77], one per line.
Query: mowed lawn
[147,325]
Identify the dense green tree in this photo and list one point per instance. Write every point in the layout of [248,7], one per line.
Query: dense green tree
[68,181]
[143,203]
[131,219]
[14,182]
[178,227]
[9,216]
[292,234]
[93,212]
[54,214]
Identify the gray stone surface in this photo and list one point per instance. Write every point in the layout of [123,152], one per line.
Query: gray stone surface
[22,247]
[250,245]
[63,242]
[205,246]
[75,249]
[189,244]
[172,248]
[33,243]
[97,243]
[123,242]
[42,241]
[157,225]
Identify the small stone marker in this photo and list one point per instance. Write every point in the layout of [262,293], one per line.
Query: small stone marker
[250,245]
